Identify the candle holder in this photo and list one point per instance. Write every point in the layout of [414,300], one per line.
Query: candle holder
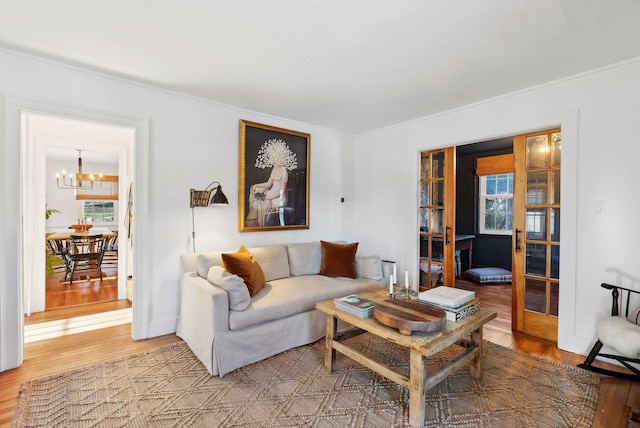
[406,293]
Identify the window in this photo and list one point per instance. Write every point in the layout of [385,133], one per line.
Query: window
[99,211]
[496,204]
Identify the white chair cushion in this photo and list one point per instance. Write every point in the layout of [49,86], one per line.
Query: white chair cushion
[620,334]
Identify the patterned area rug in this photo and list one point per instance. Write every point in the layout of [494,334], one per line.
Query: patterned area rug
[169,387]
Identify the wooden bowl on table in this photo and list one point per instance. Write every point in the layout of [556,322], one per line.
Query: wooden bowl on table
[81,227]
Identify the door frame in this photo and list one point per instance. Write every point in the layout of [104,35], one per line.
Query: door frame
[11,260]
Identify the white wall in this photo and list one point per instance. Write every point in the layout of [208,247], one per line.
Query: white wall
[64,200]
[192,142]
[599,113]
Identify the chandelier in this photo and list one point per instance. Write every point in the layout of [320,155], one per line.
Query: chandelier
[82,181]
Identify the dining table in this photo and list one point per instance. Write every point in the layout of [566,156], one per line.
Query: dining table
[64,234]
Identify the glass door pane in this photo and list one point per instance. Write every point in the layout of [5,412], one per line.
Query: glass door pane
[542,223]
[433,217]
[536,243]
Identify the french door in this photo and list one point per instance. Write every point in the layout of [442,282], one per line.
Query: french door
[536,233]
[437,217]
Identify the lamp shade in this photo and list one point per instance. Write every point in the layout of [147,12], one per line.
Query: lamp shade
[218,197]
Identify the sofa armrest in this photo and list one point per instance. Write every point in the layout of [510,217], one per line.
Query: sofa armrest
[204,313]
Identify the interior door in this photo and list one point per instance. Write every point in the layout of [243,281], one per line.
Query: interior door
[437,217]
[536,234]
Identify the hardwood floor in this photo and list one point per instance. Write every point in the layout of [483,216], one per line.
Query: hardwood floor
[48,357]
[83,291]
[617,397]
[496,297]
[76,311]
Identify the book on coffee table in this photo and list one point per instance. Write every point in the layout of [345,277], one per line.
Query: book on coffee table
[456,314]
[447,296]
[355,305]
[463,311]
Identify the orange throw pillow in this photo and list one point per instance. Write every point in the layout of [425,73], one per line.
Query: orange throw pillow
[243,264]
[338,259]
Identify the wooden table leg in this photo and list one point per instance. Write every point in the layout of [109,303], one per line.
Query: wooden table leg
[417,392]
[329,352]
[476,364]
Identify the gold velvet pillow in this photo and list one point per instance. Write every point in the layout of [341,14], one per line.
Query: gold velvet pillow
[338,259]
[243,264]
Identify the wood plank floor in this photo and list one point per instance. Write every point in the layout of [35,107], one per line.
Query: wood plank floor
[617,397]
[53,356]
[83,291]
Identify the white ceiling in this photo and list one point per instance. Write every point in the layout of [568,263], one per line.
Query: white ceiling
[350,65]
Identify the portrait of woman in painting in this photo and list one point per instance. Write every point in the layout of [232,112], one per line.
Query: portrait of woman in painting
[270,195]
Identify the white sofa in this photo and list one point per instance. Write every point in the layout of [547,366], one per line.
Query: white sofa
[280,316]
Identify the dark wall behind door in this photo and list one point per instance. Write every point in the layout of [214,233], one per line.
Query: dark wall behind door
[488,250]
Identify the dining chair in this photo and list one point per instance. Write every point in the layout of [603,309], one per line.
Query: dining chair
[84,254]
[110,258]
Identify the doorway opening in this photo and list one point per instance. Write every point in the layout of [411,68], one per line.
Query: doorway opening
[54,303]
[489,249]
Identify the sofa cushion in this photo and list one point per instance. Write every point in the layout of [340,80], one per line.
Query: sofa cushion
[273,260]
[305,258]
[204,261]
[288,296]
[369,267]
[338,259]
[235,287]
[243,264]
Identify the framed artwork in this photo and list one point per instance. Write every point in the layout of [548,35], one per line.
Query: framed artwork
[273,189]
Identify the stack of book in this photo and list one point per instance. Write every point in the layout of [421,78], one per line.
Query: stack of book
[457,303]
[355,305]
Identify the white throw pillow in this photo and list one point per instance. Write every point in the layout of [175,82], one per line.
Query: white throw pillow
[369,267]
[235,287]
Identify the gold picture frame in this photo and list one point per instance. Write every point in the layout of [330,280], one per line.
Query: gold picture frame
[273,191]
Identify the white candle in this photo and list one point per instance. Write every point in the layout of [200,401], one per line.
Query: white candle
[395,274]
[406,279]
[391,284]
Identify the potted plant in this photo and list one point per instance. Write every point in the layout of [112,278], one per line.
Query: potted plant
[52,260]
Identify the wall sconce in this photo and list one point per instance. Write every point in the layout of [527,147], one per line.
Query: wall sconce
[204,198]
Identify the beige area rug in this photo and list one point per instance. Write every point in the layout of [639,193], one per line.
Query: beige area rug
[168,387]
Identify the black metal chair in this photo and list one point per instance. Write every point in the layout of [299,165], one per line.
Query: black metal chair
[83,254]
[619,332]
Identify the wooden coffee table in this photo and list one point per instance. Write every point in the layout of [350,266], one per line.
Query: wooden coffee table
[421,346]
